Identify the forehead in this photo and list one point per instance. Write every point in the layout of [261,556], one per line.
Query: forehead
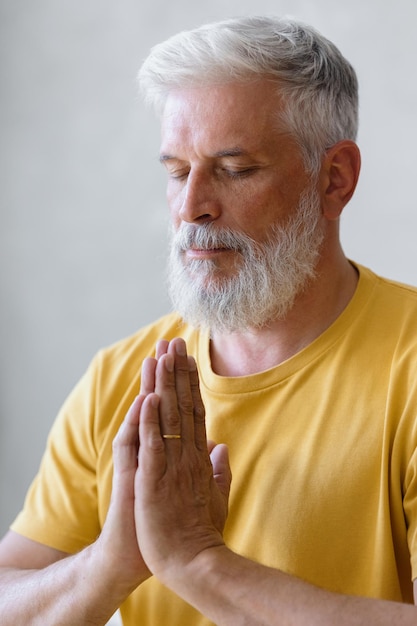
[234,113]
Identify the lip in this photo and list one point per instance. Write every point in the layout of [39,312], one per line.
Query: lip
[200,253]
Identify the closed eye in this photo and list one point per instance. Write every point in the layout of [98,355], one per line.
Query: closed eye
[176,169]
[242,173]
[178,175]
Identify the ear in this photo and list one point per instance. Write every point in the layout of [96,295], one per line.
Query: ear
[338,177]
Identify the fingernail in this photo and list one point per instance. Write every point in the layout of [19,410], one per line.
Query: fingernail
[180,348]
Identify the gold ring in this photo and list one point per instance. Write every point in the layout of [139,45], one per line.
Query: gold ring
[171,436]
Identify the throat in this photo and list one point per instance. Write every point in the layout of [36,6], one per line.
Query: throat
[234,355]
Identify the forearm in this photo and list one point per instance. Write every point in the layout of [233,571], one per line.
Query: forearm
[234,591]
[75,591]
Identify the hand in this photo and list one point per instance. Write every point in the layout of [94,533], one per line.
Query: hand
[118,542]
[182,485]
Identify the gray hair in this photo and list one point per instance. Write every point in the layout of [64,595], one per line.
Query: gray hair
[318,84]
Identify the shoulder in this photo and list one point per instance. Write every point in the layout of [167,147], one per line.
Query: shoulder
[104,393]
[393,296]
[382,317]
[391,317]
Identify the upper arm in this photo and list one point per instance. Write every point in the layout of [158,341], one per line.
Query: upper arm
[19,552]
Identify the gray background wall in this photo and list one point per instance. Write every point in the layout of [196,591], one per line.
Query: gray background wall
[83,217]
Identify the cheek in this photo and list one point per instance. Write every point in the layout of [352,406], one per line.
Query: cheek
[174,203]
[175,219]
[256,211]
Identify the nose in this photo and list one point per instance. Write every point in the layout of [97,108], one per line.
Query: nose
[199,199]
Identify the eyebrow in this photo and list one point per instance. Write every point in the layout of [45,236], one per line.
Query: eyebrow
[231,152]
[228,152]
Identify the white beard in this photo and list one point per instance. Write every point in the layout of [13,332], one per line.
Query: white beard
[267,277]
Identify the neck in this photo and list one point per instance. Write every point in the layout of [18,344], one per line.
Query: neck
[256,350]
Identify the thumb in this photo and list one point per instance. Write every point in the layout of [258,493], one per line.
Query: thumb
[219,456]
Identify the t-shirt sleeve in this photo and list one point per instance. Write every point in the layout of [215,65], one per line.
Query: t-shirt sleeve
[60,509]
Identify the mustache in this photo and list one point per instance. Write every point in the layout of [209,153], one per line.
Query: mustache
[208,237]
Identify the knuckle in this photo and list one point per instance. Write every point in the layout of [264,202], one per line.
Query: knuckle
[172,419]
[199,414]
[185,404]
[155,444]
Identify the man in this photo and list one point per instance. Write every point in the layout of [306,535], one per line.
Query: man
[305,370]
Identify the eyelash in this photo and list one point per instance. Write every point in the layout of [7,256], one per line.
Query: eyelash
[233,174]
[177,176]
[239,173]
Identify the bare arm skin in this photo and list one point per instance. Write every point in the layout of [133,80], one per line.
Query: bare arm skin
[40,585]
[180,504]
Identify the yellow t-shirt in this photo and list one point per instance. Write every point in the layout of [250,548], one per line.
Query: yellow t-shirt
[322,448]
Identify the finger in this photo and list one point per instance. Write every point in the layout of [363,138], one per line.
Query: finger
[165,387]
[161,348]
[147,383]
[184,396]
[200,435]
[126,442]
[210,445]
[222,473]
[152,460]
